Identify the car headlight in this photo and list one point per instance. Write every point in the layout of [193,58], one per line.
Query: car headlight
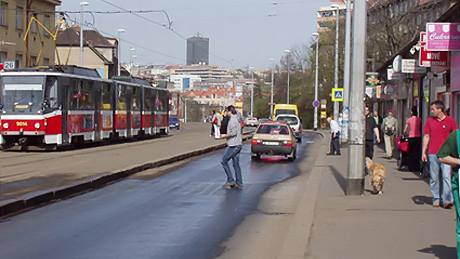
[5,125]
[37,125]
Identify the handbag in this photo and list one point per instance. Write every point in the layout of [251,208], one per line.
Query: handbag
[402,143]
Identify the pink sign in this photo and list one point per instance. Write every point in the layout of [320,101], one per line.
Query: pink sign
[443,36]
[431,58]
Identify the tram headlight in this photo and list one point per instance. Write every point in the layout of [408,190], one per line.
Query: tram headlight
[37,125]
[5,125]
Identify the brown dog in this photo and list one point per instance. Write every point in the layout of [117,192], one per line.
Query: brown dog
[377,173]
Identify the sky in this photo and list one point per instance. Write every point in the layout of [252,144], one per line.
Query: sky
[241,32]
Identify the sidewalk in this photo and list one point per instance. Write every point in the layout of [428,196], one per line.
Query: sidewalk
[401,223]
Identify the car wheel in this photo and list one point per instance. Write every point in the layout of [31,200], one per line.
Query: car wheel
[255,157]
[293,155]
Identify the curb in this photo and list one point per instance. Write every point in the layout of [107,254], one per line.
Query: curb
[38,199]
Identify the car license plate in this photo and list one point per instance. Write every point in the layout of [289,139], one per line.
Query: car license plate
[271,143]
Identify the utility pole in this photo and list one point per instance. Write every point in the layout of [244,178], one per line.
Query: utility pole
[288,52]
[346,76]
[272,86]
[82,52]
[336,68]
[315,110]
[252,92]
[28,8]
[355,179]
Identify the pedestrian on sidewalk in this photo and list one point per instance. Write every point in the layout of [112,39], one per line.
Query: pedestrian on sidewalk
[436,132]
[232,152]
[335,137]
[413,131]
[389,129]
[216,120]
[224,123]
[449,154]
[372,133]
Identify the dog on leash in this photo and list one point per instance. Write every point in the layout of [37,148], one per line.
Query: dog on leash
[377,174]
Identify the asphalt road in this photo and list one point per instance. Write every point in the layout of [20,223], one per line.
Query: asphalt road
[184,214]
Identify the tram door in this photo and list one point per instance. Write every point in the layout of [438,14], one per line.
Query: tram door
[97,92]
[64,85]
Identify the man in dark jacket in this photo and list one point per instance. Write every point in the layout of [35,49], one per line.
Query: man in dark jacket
[224,123]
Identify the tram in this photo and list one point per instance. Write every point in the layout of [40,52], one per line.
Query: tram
[62,106]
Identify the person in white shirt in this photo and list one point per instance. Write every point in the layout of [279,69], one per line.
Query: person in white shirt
[335,137]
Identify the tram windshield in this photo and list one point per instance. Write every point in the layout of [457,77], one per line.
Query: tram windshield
[22,95]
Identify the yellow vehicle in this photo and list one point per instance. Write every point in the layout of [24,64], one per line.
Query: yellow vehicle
[285,109]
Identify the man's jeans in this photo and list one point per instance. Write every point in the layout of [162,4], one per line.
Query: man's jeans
[232,153]
[435,167]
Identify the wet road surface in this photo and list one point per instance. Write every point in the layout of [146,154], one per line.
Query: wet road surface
[184,214]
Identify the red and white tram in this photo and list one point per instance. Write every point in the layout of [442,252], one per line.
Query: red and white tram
[50,108]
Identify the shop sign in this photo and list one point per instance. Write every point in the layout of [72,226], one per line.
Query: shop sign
[443,36]
[410,66]
[392,75]
[431,58]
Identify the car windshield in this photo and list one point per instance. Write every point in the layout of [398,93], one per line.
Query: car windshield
[273,129]
[22,95]
[288,119]
[173,120]
[285,111]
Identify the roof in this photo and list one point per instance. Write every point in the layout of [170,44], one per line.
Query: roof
[71,37]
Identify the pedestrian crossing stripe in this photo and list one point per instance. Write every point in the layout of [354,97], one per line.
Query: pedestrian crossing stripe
[337,95]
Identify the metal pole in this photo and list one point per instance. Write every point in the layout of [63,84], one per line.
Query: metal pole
[81,34]
[252,93]
[315,115]
[271,93]
[346,76]
[336,69]
[288,79]
[355,179]
[119,54]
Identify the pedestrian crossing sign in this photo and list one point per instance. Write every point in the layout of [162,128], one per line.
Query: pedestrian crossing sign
[337,95]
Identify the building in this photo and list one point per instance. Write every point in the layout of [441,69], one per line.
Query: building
[39,47]
[205,72]
[183,82]
[99,52]
[326,17]
[197,50]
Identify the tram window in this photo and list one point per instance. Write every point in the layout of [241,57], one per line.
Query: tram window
[51,94]
[121,97]
[81,96]
[136,99]
[106,97]
[161,101]
[148,97]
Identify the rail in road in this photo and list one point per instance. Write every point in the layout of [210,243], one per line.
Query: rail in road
[183,214]
[28,172]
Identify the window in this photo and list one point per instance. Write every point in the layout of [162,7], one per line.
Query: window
[19,18]
[33,61]
[136,99]
[51,94]
[3,13]
[46,61]
[19,60]
[34,27]
[81,96]
[106,97]
[3,57]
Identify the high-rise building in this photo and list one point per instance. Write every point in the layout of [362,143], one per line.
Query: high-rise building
[197,50]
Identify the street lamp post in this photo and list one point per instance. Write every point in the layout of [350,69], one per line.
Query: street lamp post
[82,6]
[272,86]
[119,31]
[336,67]
[346,76]
[252,91]
[288,52]
[355,178]
[315,115]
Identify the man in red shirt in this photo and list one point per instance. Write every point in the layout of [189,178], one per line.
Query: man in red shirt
[436,132]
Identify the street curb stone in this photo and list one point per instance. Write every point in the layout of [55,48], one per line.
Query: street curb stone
[41,198]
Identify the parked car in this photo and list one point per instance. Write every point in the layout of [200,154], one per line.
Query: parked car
[251,121]
[263,120]
[294,122]
[174,122]
[274,138]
